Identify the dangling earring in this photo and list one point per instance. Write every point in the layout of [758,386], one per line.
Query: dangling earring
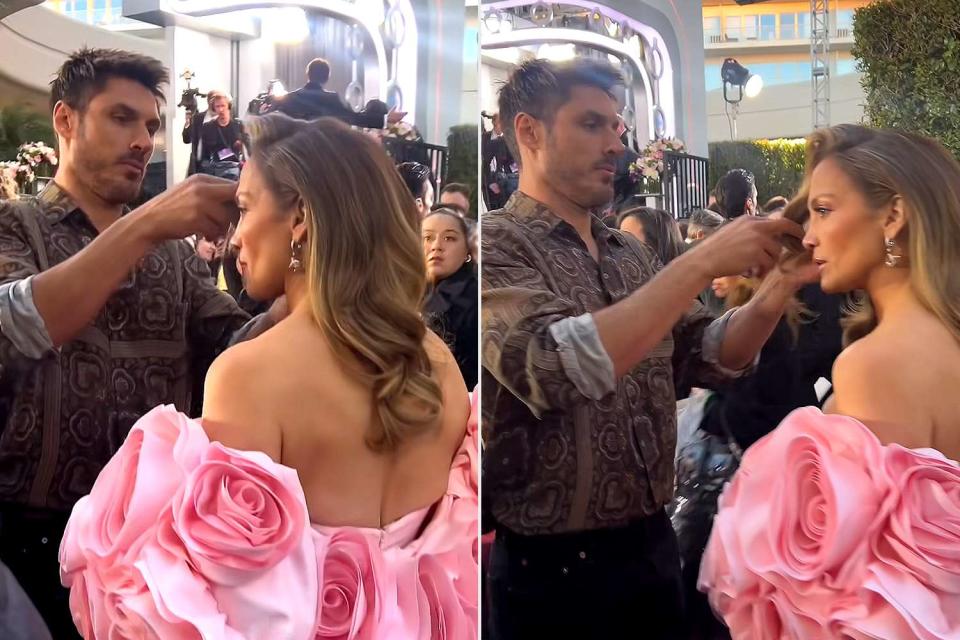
[892,258]
[296,251]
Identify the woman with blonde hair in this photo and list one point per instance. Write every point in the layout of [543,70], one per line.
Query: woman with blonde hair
[846,524]
[330,488]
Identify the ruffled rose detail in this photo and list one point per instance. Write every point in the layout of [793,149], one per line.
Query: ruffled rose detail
[238,514]
[826,533]
[183,538]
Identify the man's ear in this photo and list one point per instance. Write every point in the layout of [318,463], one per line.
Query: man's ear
[66,121]
[529,132]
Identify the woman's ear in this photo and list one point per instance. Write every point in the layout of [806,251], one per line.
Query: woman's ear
[298,222]
[895,221]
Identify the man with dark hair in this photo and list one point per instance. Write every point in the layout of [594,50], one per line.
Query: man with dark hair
[312,101]
[458,194]
[774,205]
[584,338]
[105,313]
[737,194]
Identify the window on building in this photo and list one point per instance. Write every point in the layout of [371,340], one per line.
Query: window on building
[845,22]
[788,26]
[803,25]
[732,28]
[711,29]
[750,27]
[768,27]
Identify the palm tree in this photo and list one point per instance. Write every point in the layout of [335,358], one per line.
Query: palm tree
[20,124]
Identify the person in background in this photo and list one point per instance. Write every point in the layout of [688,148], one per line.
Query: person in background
[191,131]
[458,194]
[702,224]
[655,228]
[776,204]
[221,140]
[451,305]
[419,181]
[312,101]
[737,194]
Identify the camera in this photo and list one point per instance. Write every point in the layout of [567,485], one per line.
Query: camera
[188,100]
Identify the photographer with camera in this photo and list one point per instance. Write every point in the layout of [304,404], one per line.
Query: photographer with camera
[221,139]
[194,123]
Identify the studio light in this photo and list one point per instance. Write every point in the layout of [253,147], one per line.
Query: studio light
[736,76]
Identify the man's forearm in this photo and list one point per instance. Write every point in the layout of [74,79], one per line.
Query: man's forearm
[630,329]
[69,295]
[753,323]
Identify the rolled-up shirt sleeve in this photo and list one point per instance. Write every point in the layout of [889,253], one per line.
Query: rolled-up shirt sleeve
[698,338]
[20,322]
[24,339]
[534,342]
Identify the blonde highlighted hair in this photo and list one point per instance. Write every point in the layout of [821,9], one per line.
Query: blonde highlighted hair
[363,260]
[885,164]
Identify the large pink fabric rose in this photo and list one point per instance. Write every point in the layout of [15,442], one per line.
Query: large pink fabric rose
[131,490]
[807,515]
[441,609]
[238,514]
[826,533]
[350,602]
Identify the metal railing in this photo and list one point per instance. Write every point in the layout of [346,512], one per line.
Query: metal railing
[685,184]
[431,155]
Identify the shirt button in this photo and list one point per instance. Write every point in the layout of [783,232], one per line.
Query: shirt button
[523,562]
[43,540]
[565,571]
[606,276]
[583,555]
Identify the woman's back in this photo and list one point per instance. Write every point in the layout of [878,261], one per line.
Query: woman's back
[319,412]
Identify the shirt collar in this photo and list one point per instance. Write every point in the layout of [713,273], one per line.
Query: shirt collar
[56,203]
[538,217]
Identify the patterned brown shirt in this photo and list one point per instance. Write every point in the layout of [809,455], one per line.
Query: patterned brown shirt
[556,460]
[64,412]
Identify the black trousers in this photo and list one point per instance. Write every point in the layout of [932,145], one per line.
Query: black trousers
[605,584]
[30,547]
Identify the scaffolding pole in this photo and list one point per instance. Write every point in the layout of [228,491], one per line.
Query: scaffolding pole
[820,61]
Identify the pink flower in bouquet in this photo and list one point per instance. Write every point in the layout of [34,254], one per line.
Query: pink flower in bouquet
[238,514]
[349,604]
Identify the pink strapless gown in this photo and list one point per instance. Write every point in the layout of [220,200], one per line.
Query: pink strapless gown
[825,533]
[183,538]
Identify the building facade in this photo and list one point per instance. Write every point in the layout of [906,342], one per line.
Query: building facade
[772,39]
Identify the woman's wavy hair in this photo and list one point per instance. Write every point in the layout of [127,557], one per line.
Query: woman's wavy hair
[363,260]
[883,164]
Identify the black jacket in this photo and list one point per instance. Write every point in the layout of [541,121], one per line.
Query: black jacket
[191,136]
[451,310]
[311,101]
[752,406]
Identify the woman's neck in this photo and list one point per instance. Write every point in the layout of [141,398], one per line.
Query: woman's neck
[891,293]
[295,288]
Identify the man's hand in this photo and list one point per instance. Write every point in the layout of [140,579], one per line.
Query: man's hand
[395,116]
[748,244]
[201,204]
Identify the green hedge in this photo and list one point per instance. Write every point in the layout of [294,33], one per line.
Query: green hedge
[462,162]
[909,53]
[20,124]
[776,164]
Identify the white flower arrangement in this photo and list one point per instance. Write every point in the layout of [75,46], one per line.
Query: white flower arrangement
[650,165]
[403,131]
[31,157]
